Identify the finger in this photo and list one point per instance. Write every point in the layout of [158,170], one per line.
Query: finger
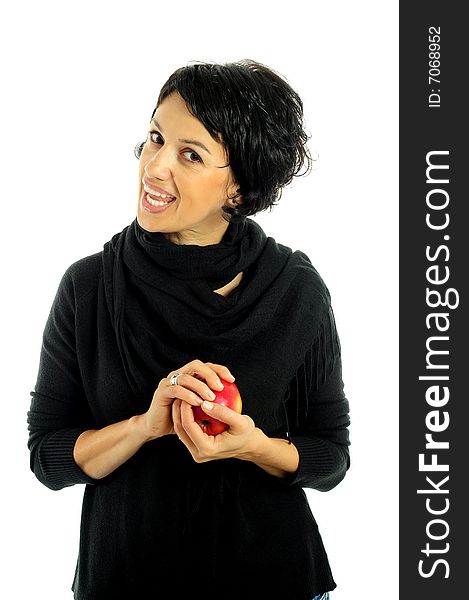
[205,377]
[200,389]
[194,375]
[221,371]
[177,423]
[211,373]
[207,374]
[184,412]
[175,414]
[181,392]
[192,429]
[225,414]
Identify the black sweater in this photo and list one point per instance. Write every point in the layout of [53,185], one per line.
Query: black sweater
[162,523]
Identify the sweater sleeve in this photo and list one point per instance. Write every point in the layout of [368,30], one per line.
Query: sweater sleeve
[318,413]
[59,412]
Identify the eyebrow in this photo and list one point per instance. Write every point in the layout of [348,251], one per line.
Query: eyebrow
[184,141]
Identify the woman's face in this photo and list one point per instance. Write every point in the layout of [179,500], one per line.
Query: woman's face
[180,158]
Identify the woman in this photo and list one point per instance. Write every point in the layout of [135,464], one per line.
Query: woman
[192,293]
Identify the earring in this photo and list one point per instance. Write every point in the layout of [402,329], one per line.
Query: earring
[138,149]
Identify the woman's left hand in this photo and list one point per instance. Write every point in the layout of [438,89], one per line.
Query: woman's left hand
[236,442]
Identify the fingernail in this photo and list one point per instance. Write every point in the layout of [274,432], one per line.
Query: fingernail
[220,383]
[207,405]
[211,394]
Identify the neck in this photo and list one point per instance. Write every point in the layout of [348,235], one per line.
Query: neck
[198,238]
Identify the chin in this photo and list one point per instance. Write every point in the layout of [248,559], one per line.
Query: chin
[147,223]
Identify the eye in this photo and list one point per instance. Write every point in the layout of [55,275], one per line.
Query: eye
[153,135]
[155,138]
[192,153]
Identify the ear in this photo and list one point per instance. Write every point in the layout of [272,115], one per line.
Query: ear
[234,195]
[232,192]
[237,200]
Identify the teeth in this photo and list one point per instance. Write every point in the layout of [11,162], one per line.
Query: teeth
[155,193]
[156,202]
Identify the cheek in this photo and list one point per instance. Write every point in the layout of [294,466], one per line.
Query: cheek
[194,190]
[140,175]
[212,189]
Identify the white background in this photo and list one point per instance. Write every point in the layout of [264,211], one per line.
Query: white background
[80,81]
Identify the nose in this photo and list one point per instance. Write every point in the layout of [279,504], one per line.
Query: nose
[158,164]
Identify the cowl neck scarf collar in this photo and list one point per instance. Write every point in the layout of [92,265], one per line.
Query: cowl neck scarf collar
[165,313]
[216,264]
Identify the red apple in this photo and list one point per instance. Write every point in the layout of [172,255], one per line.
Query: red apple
[229,396]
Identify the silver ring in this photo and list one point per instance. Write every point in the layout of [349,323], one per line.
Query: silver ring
[174,378]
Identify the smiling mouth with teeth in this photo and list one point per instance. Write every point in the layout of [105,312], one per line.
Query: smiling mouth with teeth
[155,198]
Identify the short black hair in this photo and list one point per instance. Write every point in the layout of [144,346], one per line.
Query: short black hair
[259,118]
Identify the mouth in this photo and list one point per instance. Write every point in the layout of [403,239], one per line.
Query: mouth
[156,200]
[156,192]
[155,204]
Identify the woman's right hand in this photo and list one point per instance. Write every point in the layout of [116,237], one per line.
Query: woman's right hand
[194,385]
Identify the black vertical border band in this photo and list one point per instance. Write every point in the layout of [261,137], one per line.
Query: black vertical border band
[433,333]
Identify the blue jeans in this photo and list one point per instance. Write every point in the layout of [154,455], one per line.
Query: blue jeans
[322,597]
